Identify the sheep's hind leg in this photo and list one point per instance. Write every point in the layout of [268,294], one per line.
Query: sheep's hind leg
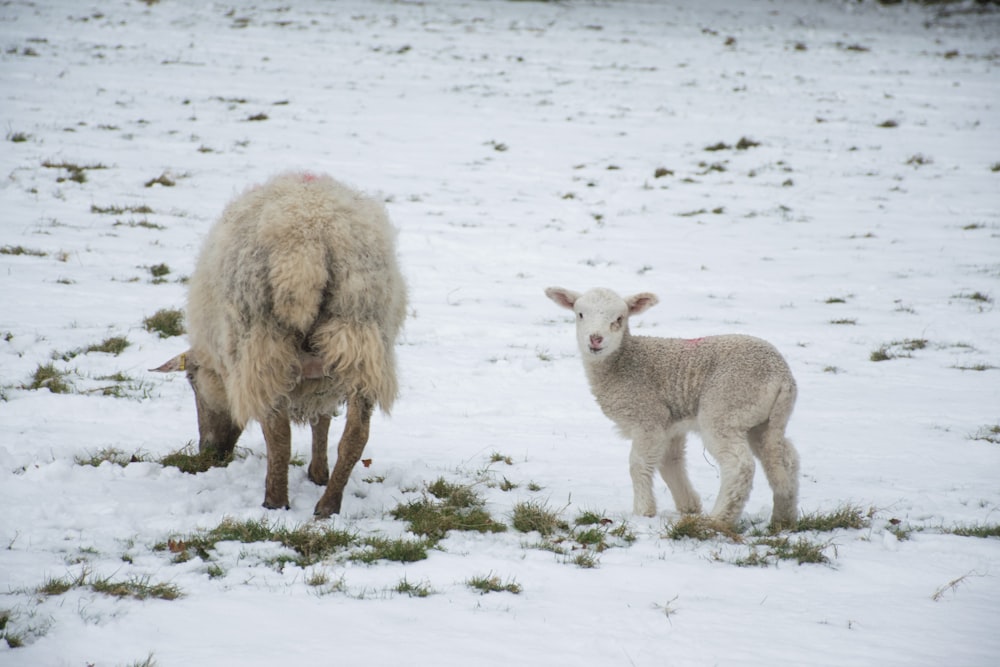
[319,467]
[642,460]
[673,470]
[278,436]
[781,465]
[352,444]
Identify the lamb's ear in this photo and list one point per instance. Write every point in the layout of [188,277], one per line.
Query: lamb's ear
[181,362]
[639,303]
[562,296]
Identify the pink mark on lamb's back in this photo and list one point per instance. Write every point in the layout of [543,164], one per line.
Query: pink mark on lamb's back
[309,177]
[693,342]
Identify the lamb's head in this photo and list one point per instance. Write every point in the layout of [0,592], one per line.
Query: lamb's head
[217,432]
[601,317]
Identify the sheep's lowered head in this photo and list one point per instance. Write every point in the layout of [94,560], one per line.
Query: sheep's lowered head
[217,430]
[601,317]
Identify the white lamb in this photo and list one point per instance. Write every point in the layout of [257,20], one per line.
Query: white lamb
[736,391]
[293,310]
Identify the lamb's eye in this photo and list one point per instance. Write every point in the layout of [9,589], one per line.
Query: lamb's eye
[619,320]
[579,315]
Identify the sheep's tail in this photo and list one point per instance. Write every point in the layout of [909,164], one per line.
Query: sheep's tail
[359,355]
[266,358]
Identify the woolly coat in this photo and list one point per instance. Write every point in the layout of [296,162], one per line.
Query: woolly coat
[684,379]
[301,266]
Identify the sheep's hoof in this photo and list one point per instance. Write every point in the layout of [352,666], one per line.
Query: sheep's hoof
[328,506]
[320,476]
[271,505]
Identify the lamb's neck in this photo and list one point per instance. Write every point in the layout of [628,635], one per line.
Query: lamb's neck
[610,364]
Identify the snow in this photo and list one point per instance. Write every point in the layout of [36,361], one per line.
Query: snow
[516,145]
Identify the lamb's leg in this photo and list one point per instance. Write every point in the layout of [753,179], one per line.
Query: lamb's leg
[352,444]
[732,452]
[646,453]
[673,470]
[319,467]
[781,465]
[278,436]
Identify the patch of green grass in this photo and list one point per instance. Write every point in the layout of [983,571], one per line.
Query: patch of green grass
[497,457]
[989,433]
[166,322]
[766,550]
[76,172]
[119,210]
[114,345]
[881,354]
[976,367]
[405,587]
[21,250]
[311,542]
[7,632]
[979,297]
[57,586]
[491,583]
[144,224]
[111,455]
[699,527]
[163,179]
[532,515]
[149,661]
[399,550]
[137,588]
[848,516]
[450,507]
[836,299]
[18,137]
[845,320]
[976,530]
[885,352]
[49,377]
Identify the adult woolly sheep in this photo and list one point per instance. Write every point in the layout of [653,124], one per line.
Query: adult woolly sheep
[736,391]
[293,310]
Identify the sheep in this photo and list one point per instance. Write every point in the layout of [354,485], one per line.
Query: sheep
[736,391]
[293,310]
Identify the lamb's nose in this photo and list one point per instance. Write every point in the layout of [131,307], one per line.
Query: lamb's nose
[596,340]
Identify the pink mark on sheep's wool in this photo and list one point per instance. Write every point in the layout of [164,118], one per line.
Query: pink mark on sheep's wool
[693,342]
[309,177]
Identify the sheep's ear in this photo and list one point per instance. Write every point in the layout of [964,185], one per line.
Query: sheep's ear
[639,303]
[181,362]
[562,296]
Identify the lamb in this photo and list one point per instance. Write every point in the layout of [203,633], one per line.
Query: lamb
[293,310]
[736,391]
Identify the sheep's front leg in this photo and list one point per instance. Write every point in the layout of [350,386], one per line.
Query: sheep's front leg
[352,444]
[642,460]
[278,436]
[673,470]
[319,468]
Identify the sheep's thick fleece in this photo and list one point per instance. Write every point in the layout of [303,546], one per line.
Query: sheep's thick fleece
[300,264]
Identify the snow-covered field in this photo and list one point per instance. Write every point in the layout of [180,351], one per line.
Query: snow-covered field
[518,145]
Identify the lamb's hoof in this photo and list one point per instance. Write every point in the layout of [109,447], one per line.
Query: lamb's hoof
[327,506]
